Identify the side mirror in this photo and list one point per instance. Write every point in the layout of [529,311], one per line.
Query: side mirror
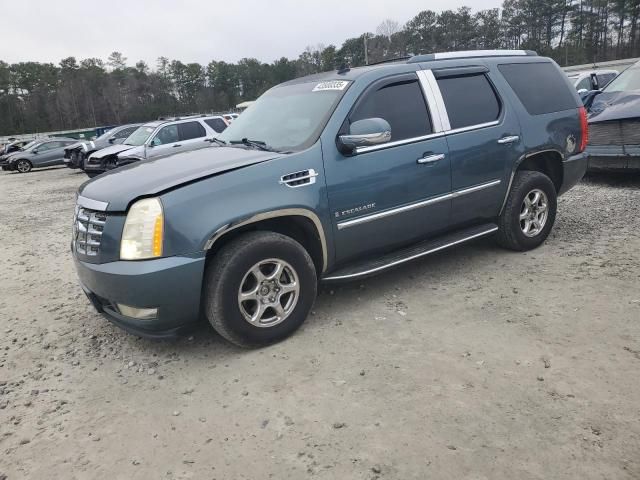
[365,133]
[112,140]
[34,151]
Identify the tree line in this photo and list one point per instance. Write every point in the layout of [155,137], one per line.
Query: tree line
[37,97]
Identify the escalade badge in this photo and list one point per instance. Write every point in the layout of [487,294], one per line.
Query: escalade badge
[350,211]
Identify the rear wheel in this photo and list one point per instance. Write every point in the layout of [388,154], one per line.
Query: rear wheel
[23,166]
[529,213]
[259,289]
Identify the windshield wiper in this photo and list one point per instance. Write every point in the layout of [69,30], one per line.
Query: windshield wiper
[217,140]
[252,143]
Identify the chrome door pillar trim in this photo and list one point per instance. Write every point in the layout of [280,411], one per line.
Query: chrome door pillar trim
[286,212]
[420,204]
[438,107]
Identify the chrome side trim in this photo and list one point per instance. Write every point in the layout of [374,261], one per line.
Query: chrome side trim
[397,143]
[287,212]
[439,101]
[420,204]
[475,188]
[394,211]
[473,127]
[92,204]
[432,104]
[412,257]
[516,165]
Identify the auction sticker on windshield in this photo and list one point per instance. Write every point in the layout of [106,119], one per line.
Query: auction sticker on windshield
[332,85]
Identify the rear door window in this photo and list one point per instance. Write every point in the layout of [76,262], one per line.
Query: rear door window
[125,132]
[191,130]
[168,134]
[470,100]
[539,86]
[217,124]
[402,105]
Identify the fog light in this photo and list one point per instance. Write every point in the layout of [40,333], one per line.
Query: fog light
[138,313]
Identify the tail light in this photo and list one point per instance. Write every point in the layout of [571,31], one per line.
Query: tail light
[584,129]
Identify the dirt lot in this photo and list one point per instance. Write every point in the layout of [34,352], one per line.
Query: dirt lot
[473,364]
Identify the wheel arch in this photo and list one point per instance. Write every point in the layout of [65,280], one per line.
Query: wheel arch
[302,225]
[547,161]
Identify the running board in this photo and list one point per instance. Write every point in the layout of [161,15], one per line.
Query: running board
[398,257]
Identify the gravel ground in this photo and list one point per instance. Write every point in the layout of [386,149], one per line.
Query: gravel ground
[476,363]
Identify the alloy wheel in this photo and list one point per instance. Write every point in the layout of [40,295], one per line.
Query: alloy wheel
[534,213]
[268,293]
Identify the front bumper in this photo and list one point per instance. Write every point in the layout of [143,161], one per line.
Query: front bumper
[172,285]
[574,169]
[613,157]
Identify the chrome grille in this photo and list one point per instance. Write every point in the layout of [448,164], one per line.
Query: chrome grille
[88,226]
[615,133]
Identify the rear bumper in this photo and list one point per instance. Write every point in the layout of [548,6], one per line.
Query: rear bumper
[613,157]
[170,285]
[574,169]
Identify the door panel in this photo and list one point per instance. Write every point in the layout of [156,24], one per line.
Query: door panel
[484,142]
[388,195]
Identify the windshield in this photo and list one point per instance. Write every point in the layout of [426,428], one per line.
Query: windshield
[289,117]
[30,145]
[139,136]
[625,82]
[104,135]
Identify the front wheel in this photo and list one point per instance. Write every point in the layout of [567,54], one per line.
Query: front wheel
[23,166]
[259,289]
[529,212]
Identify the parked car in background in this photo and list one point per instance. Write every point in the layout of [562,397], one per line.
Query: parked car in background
[74,155]
[230,117]
[13,146]
[591,79]
[12,151]
[614,123]
[156,139]
[42,153]
[331,177]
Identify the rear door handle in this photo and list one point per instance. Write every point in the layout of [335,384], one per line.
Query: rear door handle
[177,145]
[509,140]
[431,158]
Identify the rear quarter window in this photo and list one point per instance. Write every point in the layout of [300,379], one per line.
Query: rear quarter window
[539,86]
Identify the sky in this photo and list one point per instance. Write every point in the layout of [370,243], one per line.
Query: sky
[194,30]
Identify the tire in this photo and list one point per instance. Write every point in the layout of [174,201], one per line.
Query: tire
[521,234]
[231,273]
[23,166]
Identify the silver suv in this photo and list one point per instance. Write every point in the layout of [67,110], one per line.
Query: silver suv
[157,139]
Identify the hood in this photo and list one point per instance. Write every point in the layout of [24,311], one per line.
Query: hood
[615,106]
[111,150]
[76,145]
[120,186]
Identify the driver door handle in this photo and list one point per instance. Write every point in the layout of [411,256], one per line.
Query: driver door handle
[176,145]
[431,158]
[509,140]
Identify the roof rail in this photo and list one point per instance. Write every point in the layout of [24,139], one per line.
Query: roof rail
[391,60]
[470,54]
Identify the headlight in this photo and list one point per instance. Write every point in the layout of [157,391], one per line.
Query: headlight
[143,231]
